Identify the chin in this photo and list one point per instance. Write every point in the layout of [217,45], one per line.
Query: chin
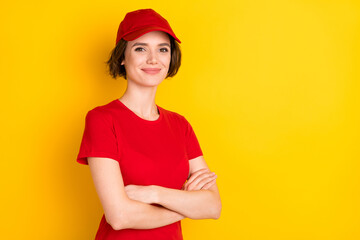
[147,80]
[149,83]
[155,81]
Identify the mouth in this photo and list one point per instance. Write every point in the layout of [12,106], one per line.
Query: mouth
[151,71]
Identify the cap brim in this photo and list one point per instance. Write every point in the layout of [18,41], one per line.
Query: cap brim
[136,34]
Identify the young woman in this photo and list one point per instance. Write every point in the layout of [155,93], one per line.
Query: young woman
[145,161]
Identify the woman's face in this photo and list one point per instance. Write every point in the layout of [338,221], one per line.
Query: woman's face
[147,59]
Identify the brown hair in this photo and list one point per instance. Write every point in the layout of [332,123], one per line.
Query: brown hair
[118,55]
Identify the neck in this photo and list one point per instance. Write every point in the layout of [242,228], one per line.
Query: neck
[141,101]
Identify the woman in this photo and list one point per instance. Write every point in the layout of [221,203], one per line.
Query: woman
[140,155]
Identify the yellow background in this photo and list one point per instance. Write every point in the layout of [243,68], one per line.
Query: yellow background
[271,89]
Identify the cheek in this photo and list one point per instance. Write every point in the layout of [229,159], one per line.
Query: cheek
[131,62]
[166,60]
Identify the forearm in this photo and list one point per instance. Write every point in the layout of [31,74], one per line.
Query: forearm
[201,204]
[139,215]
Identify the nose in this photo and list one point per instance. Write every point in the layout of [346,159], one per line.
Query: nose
[152,58]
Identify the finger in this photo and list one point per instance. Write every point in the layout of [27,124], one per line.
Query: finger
[197,173]
[195,179]
[203,182]
[198,178]
[200,181]
[209,184]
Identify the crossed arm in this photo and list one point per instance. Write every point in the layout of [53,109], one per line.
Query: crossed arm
[130,206]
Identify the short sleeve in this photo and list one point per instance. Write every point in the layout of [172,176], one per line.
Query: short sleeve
[99,138]
[193,148]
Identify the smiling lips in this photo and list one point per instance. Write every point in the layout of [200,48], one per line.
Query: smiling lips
[152,71]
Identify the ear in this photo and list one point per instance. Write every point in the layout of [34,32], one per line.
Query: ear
[122,63]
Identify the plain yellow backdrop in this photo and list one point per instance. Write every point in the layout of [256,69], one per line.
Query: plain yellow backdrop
[271,89]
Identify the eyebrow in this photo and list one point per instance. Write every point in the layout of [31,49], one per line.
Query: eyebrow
[145,44]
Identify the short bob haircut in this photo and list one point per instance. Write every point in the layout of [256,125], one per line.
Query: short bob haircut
[118,55]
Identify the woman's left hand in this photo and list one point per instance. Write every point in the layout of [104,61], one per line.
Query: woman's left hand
[145,194]
[201,179]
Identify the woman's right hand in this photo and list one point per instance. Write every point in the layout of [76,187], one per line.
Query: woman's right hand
[201,179]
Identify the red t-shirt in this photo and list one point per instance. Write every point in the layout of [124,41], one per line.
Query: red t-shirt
[149,153]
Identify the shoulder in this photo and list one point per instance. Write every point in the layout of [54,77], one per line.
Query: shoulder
[173,116]
[102,112]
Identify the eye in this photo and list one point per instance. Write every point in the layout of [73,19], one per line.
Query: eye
[164,50]
[139,49]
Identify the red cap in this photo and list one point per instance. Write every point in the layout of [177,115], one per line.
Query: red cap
[139,22]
